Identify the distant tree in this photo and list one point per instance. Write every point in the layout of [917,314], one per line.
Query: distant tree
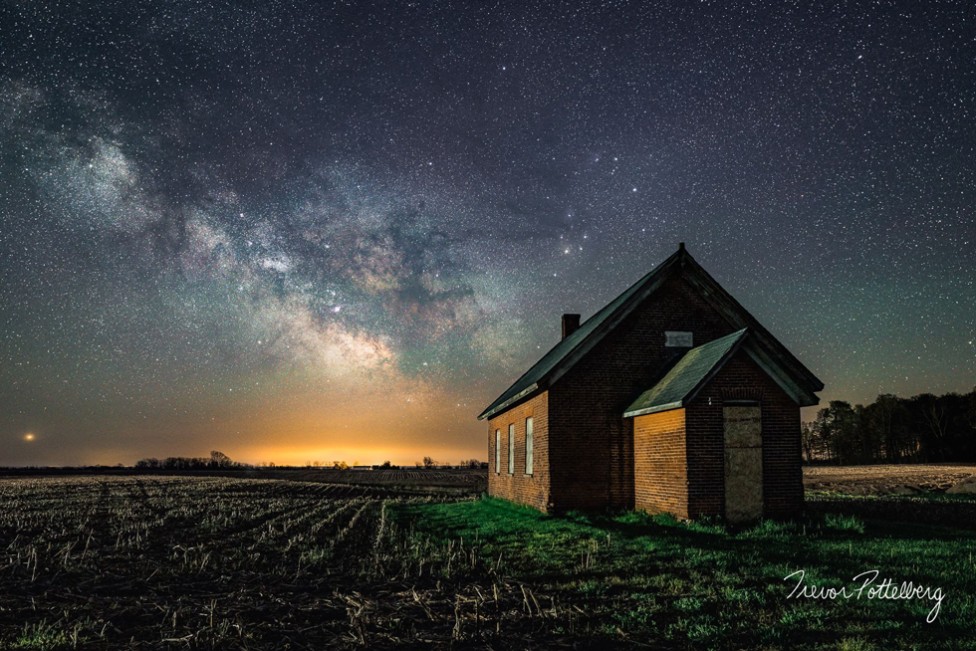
[969,419]
[808,441]
[931,421]
[925,427]
[885,426]
[836,429]
[429,462]
[386,464]
[958,444]
[971,409]
[844,423]
[866,440]
[220,460]
[340,465]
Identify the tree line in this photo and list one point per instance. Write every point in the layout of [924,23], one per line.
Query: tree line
[217,461]
[923,428]
[220,461]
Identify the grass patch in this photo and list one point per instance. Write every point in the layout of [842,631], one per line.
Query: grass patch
[42,637]
[700,585]
[843,523]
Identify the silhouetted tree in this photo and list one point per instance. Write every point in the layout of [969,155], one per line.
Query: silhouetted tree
[924,427]
[931,422]
[809,442]
[885,425]
[836,426]
[220,460]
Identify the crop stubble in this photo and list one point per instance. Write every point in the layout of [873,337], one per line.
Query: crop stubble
[181,562]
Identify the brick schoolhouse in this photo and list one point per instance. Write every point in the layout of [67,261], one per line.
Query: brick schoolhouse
[672,398]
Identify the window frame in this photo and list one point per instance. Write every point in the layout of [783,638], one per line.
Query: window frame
[498,452]
[529,446]
[511,448]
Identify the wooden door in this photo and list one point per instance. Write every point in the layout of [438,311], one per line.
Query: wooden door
[743,463]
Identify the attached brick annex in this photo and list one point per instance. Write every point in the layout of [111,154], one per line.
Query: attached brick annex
[672,398]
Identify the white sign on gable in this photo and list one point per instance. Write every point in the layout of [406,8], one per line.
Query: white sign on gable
[675,339]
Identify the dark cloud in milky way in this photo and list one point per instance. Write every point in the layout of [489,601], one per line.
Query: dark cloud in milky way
[293,231]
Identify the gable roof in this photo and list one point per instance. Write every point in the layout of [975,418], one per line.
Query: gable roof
[682,382]
[561,358]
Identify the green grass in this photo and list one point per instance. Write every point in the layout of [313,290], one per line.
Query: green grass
[43,637]
[230,563]
[650,579]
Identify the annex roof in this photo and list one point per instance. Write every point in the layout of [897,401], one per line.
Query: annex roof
[682,382]
[561,358]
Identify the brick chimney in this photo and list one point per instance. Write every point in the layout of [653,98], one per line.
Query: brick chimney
[570,323]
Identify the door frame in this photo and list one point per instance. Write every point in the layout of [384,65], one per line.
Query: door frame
[743,458]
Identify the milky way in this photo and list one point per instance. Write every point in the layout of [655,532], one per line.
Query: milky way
[291,230]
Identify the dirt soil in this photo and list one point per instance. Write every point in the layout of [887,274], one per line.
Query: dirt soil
[887,479]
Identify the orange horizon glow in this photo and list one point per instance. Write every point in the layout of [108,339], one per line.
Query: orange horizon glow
[296,456]
[367,423]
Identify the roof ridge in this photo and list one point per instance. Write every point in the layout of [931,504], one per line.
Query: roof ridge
[540,371]
[569,350]
[758,328]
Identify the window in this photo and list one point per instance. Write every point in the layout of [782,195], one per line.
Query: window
[498,451]
[511,449]
[528,446]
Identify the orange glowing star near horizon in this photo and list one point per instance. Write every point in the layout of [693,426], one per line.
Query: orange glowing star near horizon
[29,436]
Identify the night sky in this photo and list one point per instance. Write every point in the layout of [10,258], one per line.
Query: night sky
[317,231]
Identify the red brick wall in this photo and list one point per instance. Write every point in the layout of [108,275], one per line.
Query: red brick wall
[661,463]
[585,450]
[742,379]
[592,449]
[519,487]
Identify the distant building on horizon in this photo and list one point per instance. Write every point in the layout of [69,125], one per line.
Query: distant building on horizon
[672,398]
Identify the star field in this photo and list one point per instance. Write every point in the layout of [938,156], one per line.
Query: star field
[298,231]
